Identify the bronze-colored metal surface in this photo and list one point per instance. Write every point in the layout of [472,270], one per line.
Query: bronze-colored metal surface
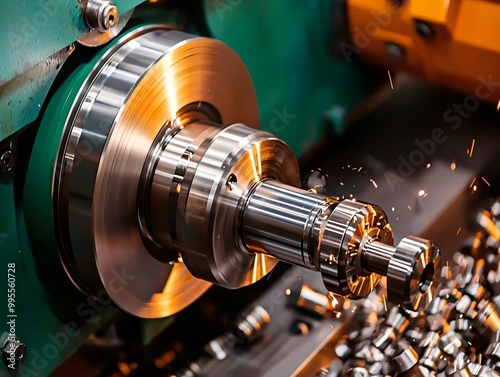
[162,178]
[137,89]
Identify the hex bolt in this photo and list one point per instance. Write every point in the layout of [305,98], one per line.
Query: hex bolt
[424,29]
[7,161]
[13,352]
[458,367]
[101,14]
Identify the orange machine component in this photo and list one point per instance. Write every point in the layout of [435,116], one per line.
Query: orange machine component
[454,43]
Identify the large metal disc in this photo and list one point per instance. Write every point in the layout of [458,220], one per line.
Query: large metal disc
[139,88]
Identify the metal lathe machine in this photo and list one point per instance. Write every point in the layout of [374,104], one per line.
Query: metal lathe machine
[158,159]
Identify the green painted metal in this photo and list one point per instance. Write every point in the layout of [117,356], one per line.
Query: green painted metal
[285,44]
[33,30]
[22,97]
[49,340]
[39,225]
[287,47]
[57,301]
[34,38]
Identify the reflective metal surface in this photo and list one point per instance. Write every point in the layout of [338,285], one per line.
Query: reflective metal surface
[349,242]
[212,198]
[105,29]
[157,182]
[136,89]
[405,360]
[278,220]
[348,228]
[414,273]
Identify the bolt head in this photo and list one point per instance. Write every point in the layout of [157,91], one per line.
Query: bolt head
[7,161]
[13,348]
[109,16]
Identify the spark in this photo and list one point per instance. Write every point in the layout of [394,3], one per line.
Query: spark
[374,183]
[472,147]
[472,182]
[335,302]
[288,292]
[498,105]
[453,166]
[427,166]
[459,230]
[390,79]
[421,193]
[392,209]
[342,183]
[474,188]
[385,303]
[409,207]
[360,169]
[485,181]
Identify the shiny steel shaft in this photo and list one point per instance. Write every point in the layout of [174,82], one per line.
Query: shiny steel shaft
[350,242]
[279,220]
[163,173]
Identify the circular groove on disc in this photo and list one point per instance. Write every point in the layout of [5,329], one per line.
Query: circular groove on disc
[100,198]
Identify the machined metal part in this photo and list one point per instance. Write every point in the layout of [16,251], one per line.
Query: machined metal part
[157,176]
[137,88]
[252,324]
[348,241]
[6,161]
[13,351]
[249,327]
[104,21]
[308,299]
[459,335]
[101,14]
[487,318]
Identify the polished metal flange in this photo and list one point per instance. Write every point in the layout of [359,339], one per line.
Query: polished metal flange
[349,226]
[135,93]
[413,273]
[213,195]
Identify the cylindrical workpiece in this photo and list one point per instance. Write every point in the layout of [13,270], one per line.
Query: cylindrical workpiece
[278,220]
[376,257]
